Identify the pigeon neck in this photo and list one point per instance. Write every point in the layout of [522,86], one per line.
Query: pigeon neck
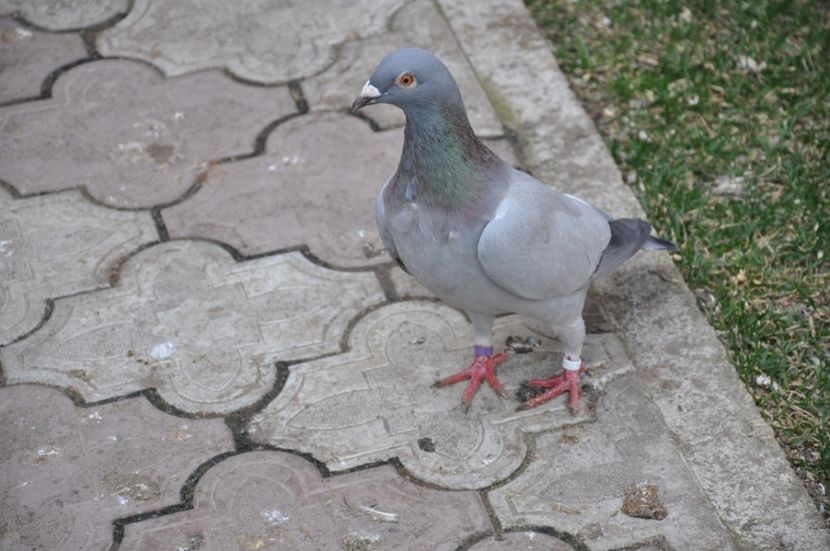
[443,164]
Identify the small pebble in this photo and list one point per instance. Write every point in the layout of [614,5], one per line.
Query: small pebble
[763,381]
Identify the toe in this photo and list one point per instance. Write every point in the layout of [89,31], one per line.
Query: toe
[482,369]
[573,397]
[495,384]
[452,379]
[546,383]
[548,395]
[471,390]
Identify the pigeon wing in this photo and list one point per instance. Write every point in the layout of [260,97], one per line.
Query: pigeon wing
[542,243]
[383,229]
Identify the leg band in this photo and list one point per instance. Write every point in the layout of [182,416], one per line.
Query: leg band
[483,350]
[571,365]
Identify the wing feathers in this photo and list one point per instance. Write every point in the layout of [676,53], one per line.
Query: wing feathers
[541,243]
[383,229]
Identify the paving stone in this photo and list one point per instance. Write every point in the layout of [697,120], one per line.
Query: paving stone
[62,15]
[733,453]
[132,138]
[655,544]
[29,56]
[189,321]
[377,401]
[417,24]
[68,472]
[58,245]
[579,476]
[522,541]
[273,500]
[256,40]
[310,188]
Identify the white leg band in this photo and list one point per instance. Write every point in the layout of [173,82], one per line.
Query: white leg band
[571,365]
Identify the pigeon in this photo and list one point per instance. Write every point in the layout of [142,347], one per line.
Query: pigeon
[483,236]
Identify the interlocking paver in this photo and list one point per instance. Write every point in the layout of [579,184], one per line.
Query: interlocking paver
[376,401]
[522,541]
[65,14]
[187,320]
[274,500]
[68,472]
[58,245]
[308,189]
[257,40]
[417,24]
[183,317]
[131,137]
[29,56]
[577,481]
[731,450]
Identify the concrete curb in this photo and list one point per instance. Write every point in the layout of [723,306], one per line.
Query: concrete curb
[681,363]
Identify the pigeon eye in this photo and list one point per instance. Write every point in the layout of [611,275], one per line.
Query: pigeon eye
[406,80]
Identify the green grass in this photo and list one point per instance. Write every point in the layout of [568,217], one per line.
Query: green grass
[689,95]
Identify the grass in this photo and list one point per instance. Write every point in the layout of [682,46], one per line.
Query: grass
[718,115]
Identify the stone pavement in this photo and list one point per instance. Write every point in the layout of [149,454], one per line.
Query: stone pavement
[204,346]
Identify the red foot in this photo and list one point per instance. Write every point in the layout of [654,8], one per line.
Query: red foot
[567,381]
[482,368]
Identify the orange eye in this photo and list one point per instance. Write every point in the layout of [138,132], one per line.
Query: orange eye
[406,80]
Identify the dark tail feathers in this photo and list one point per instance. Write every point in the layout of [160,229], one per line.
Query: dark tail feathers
[628,235]
[657,244]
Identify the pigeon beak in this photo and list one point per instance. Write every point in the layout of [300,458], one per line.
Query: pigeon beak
[367,96]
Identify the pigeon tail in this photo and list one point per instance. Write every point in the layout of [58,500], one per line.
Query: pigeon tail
[628,235]
[657,244]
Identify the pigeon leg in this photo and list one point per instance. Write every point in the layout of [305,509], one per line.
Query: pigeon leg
[567,381]
[483,368]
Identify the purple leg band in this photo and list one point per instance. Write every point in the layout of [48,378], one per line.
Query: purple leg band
[483,350]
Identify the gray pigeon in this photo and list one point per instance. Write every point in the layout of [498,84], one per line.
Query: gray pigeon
[484,237]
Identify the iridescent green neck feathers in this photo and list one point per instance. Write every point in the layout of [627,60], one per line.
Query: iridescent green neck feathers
[444,165]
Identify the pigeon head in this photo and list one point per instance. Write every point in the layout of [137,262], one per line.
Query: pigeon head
[411,79]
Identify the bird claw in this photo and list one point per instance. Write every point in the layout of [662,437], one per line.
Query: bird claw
[567,381]
[483,368]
